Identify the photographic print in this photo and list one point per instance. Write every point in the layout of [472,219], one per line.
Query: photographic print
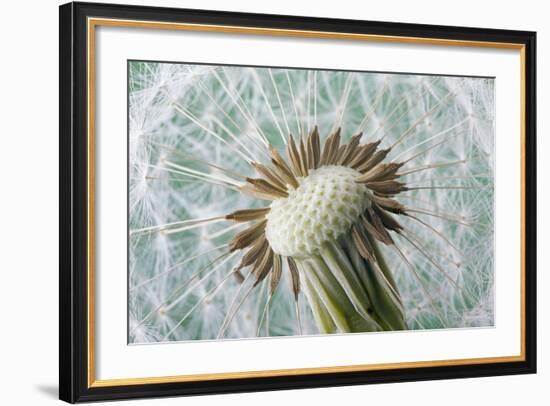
[271,202]
[255,202]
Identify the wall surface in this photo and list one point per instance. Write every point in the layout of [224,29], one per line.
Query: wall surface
[28,203]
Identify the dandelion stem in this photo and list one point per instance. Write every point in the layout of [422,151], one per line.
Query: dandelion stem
[190,175]
[260,146]
[232,312]
[405,98]
[323,319]
[314,99]
[439,215]
[246,114]
[176,266]
[193,159]
[374,105]
[431,166]
[207,176]
[422,284]
[187,224]
[208,294]
[223,258]
[432,261]
[270,109]
[201,280]
[431,147]
[438,135]
[436,232]
[264,312]
[440,104]
[294,103]
[470,176]
[223,231]
[195,120]
[445,188]
[343,102]
[280,103]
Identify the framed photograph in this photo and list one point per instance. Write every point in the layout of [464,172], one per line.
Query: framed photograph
[258,202]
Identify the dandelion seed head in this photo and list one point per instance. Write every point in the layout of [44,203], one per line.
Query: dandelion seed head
[324,206]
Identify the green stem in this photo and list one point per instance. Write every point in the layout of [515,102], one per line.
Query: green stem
[382,264]
[380,286]
[348,294]
[322,317]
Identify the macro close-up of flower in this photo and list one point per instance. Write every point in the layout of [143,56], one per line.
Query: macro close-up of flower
[270,202]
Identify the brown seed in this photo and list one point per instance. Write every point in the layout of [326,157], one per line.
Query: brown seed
[314,149]
[378,157]
[362,243]
[295,276]
[351,150]
[264,186]
[251,190]
[270,175]
[332,144]
[282,168]
[304,165]
[380,172]
[387,187]
[276,273]
[263,267]
[387,219]
[256,251]
[371,230]
[248,214]
[294,157]
[238,276]
[285,174]
[389,204]
[338,157]
[248,236]
[375,227]
[364,153]
[275,156]
[335,148]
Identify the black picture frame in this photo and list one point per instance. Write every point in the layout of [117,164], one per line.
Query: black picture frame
[74,385]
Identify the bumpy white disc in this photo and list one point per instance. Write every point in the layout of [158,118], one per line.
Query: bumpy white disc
[322,208]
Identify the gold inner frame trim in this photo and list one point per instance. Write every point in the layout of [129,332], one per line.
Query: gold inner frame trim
[94,22]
